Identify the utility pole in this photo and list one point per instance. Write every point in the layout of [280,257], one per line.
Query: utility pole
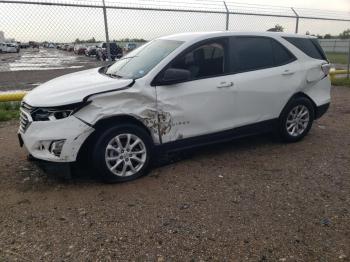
[106,31]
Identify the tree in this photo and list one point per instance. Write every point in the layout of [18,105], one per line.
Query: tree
[327,36]
[277,28]
[345,34]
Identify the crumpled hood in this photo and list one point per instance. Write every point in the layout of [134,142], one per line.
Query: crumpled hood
[73,88]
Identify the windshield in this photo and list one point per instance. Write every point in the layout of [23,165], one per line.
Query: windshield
[140,61]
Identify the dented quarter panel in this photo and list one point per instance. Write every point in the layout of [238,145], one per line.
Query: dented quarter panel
[317,86]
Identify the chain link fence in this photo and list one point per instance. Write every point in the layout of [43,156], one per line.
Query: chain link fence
[59,21]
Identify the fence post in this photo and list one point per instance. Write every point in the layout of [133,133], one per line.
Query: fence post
[106,31]
[227,16]
[297,21]
[348,74]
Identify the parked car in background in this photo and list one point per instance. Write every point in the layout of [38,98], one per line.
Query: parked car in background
[2,47]
[24,45]
[116,51]
[65,47]
[9,48]
[178,92]
[91,50]
[33,44]
[79,49]
[129,47]
[70,48]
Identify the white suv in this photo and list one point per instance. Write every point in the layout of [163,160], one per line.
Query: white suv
[177,92]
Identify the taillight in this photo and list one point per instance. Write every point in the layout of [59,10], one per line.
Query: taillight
[326,68]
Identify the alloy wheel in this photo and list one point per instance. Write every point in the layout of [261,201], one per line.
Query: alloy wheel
[298,120]
[125,155]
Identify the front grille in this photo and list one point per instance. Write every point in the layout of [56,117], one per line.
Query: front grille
[25,117]
[26,107]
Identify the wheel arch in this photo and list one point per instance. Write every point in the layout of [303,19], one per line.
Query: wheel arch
[106,123]
[297,95]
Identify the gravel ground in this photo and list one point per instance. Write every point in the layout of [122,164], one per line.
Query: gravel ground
[254,199]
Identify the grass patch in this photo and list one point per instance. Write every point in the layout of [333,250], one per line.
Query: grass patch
[9,110]
[341,82]
[337,58]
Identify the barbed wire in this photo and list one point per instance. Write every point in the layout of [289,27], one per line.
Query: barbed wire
[208,5]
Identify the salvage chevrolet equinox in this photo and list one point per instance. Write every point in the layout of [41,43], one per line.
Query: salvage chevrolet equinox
[177,92]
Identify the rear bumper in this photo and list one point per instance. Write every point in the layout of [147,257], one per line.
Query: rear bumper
[321,110]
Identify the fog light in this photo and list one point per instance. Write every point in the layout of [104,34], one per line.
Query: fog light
[56,147]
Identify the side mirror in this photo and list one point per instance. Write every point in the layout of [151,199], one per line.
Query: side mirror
[173,76]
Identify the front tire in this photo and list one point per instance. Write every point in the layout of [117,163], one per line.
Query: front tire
[122,153]
[296,119]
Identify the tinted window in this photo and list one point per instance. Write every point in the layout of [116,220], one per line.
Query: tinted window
[203,61]
[252,53]
[308,46]
[281,55]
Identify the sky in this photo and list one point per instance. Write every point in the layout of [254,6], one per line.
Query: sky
[336,5]
[65,24]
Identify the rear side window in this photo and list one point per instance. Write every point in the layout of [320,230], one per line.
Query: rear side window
[309,46]
[253,53]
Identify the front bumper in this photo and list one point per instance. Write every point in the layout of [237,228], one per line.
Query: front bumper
[38,136]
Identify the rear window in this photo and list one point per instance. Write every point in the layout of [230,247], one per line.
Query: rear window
[310,47]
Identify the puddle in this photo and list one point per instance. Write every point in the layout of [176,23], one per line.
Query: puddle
[42,59]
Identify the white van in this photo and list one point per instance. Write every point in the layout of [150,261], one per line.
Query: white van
[177,92]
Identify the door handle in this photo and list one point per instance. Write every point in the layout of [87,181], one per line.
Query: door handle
[288,73]
[225,85]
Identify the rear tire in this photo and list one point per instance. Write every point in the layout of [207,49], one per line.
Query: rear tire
[296,120]
[122,153]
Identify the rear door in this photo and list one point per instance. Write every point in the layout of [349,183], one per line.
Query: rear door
[266,75]
[205,103]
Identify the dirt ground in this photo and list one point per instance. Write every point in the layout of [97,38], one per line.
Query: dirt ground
[254,199]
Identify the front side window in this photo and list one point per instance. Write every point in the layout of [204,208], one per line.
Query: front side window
[203,61]
[142,60]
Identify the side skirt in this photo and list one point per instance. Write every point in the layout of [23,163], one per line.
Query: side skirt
[223,136]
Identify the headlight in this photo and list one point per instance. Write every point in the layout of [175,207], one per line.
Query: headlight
[56,113]
[42,114]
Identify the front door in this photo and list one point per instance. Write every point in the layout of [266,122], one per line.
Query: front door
[205,103]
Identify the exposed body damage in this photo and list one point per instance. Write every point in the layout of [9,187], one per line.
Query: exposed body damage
[39,135]
[137,102]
